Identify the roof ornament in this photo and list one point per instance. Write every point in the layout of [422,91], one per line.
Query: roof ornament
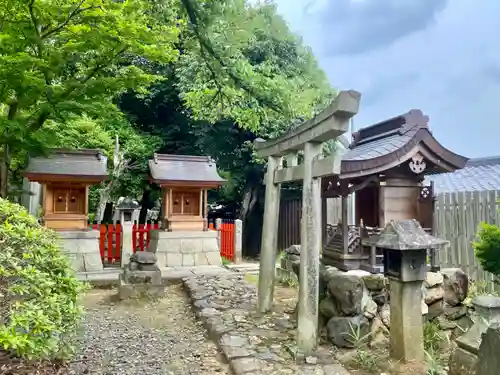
[417,164]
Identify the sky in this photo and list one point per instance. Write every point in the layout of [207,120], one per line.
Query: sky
[440,56]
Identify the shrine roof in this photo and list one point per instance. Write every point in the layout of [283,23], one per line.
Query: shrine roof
[83,163]
[480,174]
[387,144]
[195,170]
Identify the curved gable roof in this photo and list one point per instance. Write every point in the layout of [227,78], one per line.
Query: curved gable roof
[194,170]
[382,146]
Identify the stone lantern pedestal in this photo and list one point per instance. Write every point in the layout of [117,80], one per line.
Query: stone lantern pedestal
[404,244]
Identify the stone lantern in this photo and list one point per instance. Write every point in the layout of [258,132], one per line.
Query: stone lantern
[404,245]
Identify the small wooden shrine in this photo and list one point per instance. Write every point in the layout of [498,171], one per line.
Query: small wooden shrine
[65,176]
[185,181]
[385,166]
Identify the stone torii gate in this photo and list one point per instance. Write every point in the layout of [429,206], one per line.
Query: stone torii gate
[327,125]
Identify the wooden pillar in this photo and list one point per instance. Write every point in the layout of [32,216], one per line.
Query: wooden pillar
[324,217]
[205,205]
[310,239]
[344,215]
[201,204]
[86,200]
[205,193]
[269,237]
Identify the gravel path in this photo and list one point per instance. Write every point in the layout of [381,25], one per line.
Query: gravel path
[146,338]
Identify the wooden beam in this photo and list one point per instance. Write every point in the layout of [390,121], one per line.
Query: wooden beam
[321,168]
[329,124]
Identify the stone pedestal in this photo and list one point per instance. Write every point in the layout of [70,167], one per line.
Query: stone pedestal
[141,278]
[464,359]
[82,249]
[185,249]
[406,321]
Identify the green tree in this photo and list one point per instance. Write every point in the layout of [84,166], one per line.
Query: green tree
[241,75]
[487,248]
[59,58]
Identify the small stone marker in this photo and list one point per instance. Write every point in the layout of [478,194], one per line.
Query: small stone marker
[405,245]
[464,359]
[141,278]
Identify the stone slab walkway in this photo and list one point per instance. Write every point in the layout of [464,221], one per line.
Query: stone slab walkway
[252,343]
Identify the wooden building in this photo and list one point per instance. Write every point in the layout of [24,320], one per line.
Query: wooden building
[65,176]
[185,181]
[385,166]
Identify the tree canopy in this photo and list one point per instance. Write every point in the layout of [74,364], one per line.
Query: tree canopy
[177,76]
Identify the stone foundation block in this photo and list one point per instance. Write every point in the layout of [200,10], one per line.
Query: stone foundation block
[126,290]
[82,250]
[185,249]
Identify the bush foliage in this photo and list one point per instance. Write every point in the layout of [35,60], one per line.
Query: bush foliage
[38,289]
[487,248]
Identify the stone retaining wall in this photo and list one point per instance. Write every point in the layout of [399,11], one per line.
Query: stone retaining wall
[358,299]
[186,249]
[82,249]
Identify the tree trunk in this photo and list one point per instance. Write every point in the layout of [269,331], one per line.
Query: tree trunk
[251,216]
[4,172]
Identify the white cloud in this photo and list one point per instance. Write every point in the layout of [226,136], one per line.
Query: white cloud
[447,64]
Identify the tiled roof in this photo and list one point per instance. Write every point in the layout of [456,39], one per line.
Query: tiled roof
[184,168]
[378,147]
[60,162]
[481,174]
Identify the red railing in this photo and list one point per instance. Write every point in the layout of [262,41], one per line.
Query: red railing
[226,234]
[140,235]
[110,241]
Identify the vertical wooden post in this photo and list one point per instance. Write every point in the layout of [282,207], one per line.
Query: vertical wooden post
[269,237]
[201,203]
[205,194]
[310,239]
[324,218]
[345,221]
[170,202]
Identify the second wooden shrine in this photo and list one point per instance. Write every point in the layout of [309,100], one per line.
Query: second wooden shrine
[185,181]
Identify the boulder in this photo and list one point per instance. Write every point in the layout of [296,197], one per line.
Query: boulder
[456,286]
[347,291]
[344,331]
[370,309]
[433,279]
[374,282]
[433,294]
[379,334]
[293,250]
[360,273]
[385,315]
[381,297]
[454,312]
[435,309]
[328,308]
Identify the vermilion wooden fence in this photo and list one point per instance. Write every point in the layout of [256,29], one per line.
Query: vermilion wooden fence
[110,241]
[226,234]
[141,233]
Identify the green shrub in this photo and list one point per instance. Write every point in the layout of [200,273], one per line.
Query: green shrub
[487,248]
[38,290]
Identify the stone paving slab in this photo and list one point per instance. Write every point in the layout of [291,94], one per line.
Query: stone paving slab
[111,275]
[252,343]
